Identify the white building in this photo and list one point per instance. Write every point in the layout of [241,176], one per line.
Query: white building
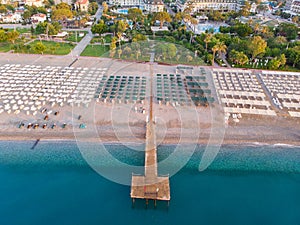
[128,3]
[154,5]
[253,7]
[38,18]
[12,18]
[148,5]
[206,5]
[292,7]
[295,7]
[83,5]
[37,3]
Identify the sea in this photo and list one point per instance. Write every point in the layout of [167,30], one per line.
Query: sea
[52,183]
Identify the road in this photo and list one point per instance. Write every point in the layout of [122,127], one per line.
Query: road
[13,26]
[87,39]
[170,11]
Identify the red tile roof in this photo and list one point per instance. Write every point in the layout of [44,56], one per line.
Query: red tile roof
[82,2]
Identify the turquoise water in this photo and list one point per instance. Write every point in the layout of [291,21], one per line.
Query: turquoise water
[52,184]
[208,27]
[123,11]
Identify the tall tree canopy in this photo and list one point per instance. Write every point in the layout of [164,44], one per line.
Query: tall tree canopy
[135,14]
[162,17]
[257,45]
[99,28]
[61,11]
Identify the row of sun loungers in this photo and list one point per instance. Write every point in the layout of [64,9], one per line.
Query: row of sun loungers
[28,88]
[285,88]
[240,92]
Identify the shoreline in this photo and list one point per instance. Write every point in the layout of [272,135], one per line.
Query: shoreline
[110,140]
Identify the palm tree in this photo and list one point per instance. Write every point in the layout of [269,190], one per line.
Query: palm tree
[256,28]
[207,39]
[194,22]
[162,17]
[219,47]
[119,52]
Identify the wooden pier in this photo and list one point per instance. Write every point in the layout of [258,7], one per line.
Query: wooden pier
[150,186]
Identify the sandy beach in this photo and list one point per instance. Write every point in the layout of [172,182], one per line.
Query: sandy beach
[170,129]
[112,122]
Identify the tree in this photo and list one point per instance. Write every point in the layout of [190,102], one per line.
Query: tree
[92,8]
[207,39]
[42,9]
[12,36]
[120,28]
[3,9]
[293,56]
[139,37]
[178,16]
[47,28]
[237,57]
[56,26]
[26,15]
[189,58]
[219,47]
[262,8]
[256,28]
[138,54]
[282,59]
[135,15]
[245,10]
[162,17]
[105,7]
[119,52]
[3,36]
[113,45]
[290,31]
[210,59]
[12,7]
[39,48]
[99,28]
[216,16]
[62,11]
[194,22]
[280,40]
[127,51]
[256,46]
[172,50]
[295,19]
[49,3]
[182,16]
[274,64]
[162,51]
[243,30]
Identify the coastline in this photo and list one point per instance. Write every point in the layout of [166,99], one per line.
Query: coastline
[233,136]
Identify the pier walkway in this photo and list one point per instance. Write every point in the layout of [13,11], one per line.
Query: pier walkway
[150,185]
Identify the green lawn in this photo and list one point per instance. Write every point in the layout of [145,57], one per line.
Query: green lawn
[22,30]
[4,46]
[52,48]
[107,39]
[95,50]
[72,36]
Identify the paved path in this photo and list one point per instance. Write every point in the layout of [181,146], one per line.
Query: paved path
[170,11]
[87,38]
[225,61]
